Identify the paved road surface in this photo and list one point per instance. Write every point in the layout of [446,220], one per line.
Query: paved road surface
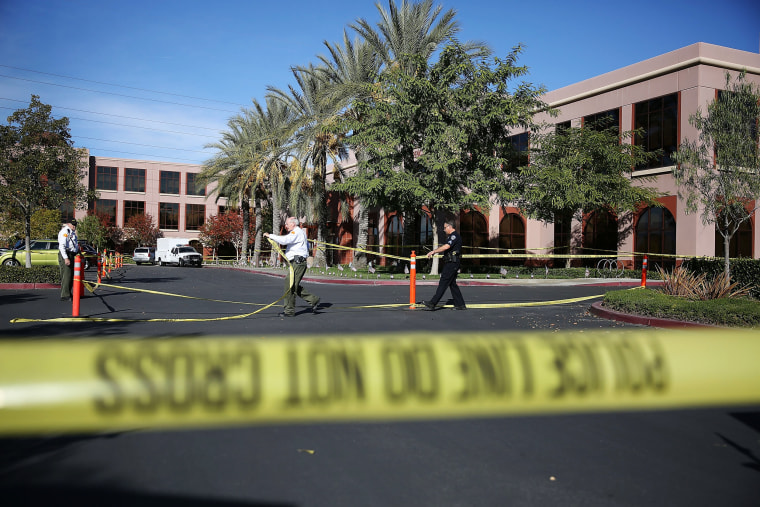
[694,458]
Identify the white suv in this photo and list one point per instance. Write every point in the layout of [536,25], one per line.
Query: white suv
[144,254]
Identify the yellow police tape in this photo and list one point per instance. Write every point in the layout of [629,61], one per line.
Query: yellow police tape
[120,384]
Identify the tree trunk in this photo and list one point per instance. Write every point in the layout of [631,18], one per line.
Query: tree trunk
[434,263]
[360,258]
[259,233]
[27,238]
[245,207]
[276,223]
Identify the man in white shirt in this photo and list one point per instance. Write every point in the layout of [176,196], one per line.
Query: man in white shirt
[68,247]
[296,250]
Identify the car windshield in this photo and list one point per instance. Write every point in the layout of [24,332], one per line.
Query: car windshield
[186,249]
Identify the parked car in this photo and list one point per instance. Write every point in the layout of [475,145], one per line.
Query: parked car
[144,254]
[44,252]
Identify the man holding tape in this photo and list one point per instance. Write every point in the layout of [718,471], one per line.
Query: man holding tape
[452,256]
[296,250]
[68,247]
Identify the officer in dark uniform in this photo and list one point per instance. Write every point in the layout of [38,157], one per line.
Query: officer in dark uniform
[452,255]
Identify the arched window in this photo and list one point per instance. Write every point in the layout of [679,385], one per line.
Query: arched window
[656,234]
[425,236]
[511,236]
[600,236]
[740,244]
[474,230]
[394,234]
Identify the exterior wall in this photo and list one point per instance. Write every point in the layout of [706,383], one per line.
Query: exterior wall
[152,196]
[695,73]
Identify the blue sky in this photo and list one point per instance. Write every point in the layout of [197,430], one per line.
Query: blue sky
[158,79]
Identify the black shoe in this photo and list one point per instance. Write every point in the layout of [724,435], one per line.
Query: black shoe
[314,306]
[428,306]
[283,314]
[65,299]
[463,307]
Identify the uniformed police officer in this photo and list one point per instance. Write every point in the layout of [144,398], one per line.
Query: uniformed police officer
[68,247]
[296,250]
[452,255]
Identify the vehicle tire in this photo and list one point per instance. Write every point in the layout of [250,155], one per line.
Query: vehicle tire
[86,264]
[160,262]
[181,262]
[138,263]
[11,262]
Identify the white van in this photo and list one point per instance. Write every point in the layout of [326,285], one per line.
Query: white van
[177,251]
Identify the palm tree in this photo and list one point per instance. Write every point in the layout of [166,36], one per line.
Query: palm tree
[411,30]
[349,70]
[313,136]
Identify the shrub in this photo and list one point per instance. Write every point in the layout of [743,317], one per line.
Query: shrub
[654,303]
[683,283]
[35,274]
[744,272]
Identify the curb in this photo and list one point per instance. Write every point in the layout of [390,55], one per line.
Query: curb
[605,313]
[27,286]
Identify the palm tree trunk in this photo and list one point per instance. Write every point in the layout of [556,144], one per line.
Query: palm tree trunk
[245,207]
[259,233]
[434,264]
[360,258]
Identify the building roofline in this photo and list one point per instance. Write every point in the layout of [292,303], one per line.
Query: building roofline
[697,54]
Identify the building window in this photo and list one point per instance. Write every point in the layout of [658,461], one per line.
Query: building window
[222,210]
[602,121]
[106,208]
[658,119]
[511,236]
[195,216]
[168,216]
[132,208]
[518,155]
[193,187]
[134,180]
[561,127]
[394,235]
[656,234]
[600,236]
[67,212]
[107,178]
[740,244]
[169,182]
[563,223]
[474,231]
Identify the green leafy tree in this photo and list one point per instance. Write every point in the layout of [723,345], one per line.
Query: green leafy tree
[46,223]
[142,229]
[39,166]
[92,229]
[719,173]
[440,137]
[579,170]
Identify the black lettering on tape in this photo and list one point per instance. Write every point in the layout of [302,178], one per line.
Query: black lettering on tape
[146,379]
[334,373]
[410,372]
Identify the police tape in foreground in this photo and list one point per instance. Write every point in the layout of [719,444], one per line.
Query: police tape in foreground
[75,386]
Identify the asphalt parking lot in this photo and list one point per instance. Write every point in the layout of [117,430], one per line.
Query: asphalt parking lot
[344,307]
[699,457]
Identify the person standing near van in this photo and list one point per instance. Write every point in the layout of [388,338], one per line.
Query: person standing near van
[68,247]
[296,250]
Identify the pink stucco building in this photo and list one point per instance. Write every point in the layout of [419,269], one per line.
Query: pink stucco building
[657,95]
[167,191]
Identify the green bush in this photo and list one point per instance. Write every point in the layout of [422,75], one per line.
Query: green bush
[745,272]
[740,312]
[35,274]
